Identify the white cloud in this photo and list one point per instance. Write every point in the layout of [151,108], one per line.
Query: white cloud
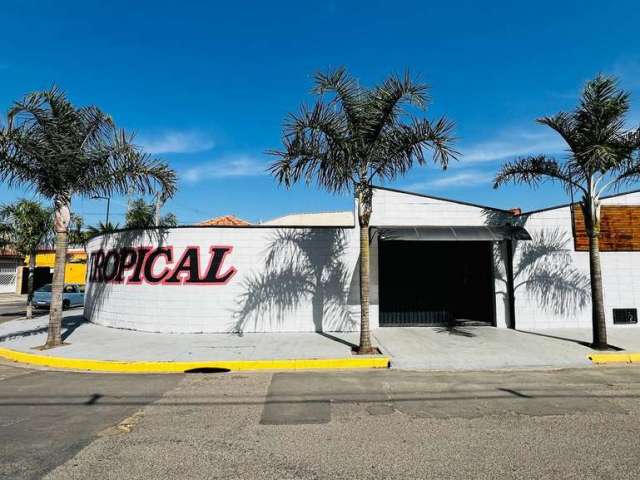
[468,178]
[514,144]
[226,167]
[176,142]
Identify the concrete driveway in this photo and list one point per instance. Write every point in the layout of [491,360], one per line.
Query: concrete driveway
[481,348]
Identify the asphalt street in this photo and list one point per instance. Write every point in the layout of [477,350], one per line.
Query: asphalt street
[10,310]
[47,417]
[581,423]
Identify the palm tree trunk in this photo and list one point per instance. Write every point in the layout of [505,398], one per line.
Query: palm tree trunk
[54,334]
[32,267]
[597,300]
[365,332]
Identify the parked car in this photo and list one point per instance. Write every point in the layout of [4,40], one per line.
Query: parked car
[72,296]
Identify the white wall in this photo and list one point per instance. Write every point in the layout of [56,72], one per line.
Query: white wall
[303,279]
[392,208]
[282,273]
[560,308]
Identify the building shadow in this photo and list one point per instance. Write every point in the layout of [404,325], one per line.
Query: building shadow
[71,324]
[301,266]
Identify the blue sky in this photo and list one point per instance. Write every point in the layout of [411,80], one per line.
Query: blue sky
[206,85]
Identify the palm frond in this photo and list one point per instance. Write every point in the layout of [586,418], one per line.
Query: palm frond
[534,171]
[385,102]
[360,134]
[59,150]
[400,147]
[316,149]
[348,93]
[564,124]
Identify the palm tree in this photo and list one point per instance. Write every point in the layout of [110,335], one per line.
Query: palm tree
[77,235]
[357,136]
[28,225]
[601,155]
[61,151]
[141,214]
[101,229]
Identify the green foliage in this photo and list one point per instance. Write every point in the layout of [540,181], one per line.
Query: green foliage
[358,135]
[60,151]
[26,226]
[77,234]
[601,155]
[101,228]
[142,215]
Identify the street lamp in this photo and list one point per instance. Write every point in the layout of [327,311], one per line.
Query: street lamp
[108,199]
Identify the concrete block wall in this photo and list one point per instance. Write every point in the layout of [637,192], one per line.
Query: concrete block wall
[306,279]
[394,208]
[287,279]
[620,271]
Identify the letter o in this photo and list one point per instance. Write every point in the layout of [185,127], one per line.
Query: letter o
[112,259]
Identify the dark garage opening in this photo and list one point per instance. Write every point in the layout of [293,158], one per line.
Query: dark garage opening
[430,283]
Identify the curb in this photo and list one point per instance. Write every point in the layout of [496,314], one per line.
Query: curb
[602,358]
[114,366]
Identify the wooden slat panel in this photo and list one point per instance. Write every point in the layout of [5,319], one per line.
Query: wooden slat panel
[619,229]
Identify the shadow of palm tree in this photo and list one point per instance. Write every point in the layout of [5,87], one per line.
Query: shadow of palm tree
[69,325]
[300,265]
[543,268]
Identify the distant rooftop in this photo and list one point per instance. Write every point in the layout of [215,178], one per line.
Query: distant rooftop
[330,219]
[229,220]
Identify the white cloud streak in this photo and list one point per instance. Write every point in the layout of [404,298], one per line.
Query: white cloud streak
[513,145]
[226,167]
[468,178]
[176,142]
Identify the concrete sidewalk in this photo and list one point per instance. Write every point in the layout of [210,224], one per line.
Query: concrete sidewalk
[463,348]
[12,298]
[487,348]
[90,341]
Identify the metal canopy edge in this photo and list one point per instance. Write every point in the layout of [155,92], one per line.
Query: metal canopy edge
[494,233]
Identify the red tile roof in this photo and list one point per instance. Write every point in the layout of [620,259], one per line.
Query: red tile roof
[229,220]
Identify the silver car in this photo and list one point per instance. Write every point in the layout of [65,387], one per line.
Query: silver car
[72,296]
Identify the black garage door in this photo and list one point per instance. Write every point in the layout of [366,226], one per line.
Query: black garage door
[435,283]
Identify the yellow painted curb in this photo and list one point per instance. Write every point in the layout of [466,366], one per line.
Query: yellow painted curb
[180,367]
[615,358]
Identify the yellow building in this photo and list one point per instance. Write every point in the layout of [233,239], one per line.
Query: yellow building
[75,271]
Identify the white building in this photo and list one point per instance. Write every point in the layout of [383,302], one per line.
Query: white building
[433,261]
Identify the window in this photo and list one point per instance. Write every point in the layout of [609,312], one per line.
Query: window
[625,315]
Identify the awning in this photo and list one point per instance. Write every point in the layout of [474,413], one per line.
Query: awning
[450,233]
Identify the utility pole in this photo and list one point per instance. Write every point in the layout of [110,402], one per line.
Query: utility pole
[108,199]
